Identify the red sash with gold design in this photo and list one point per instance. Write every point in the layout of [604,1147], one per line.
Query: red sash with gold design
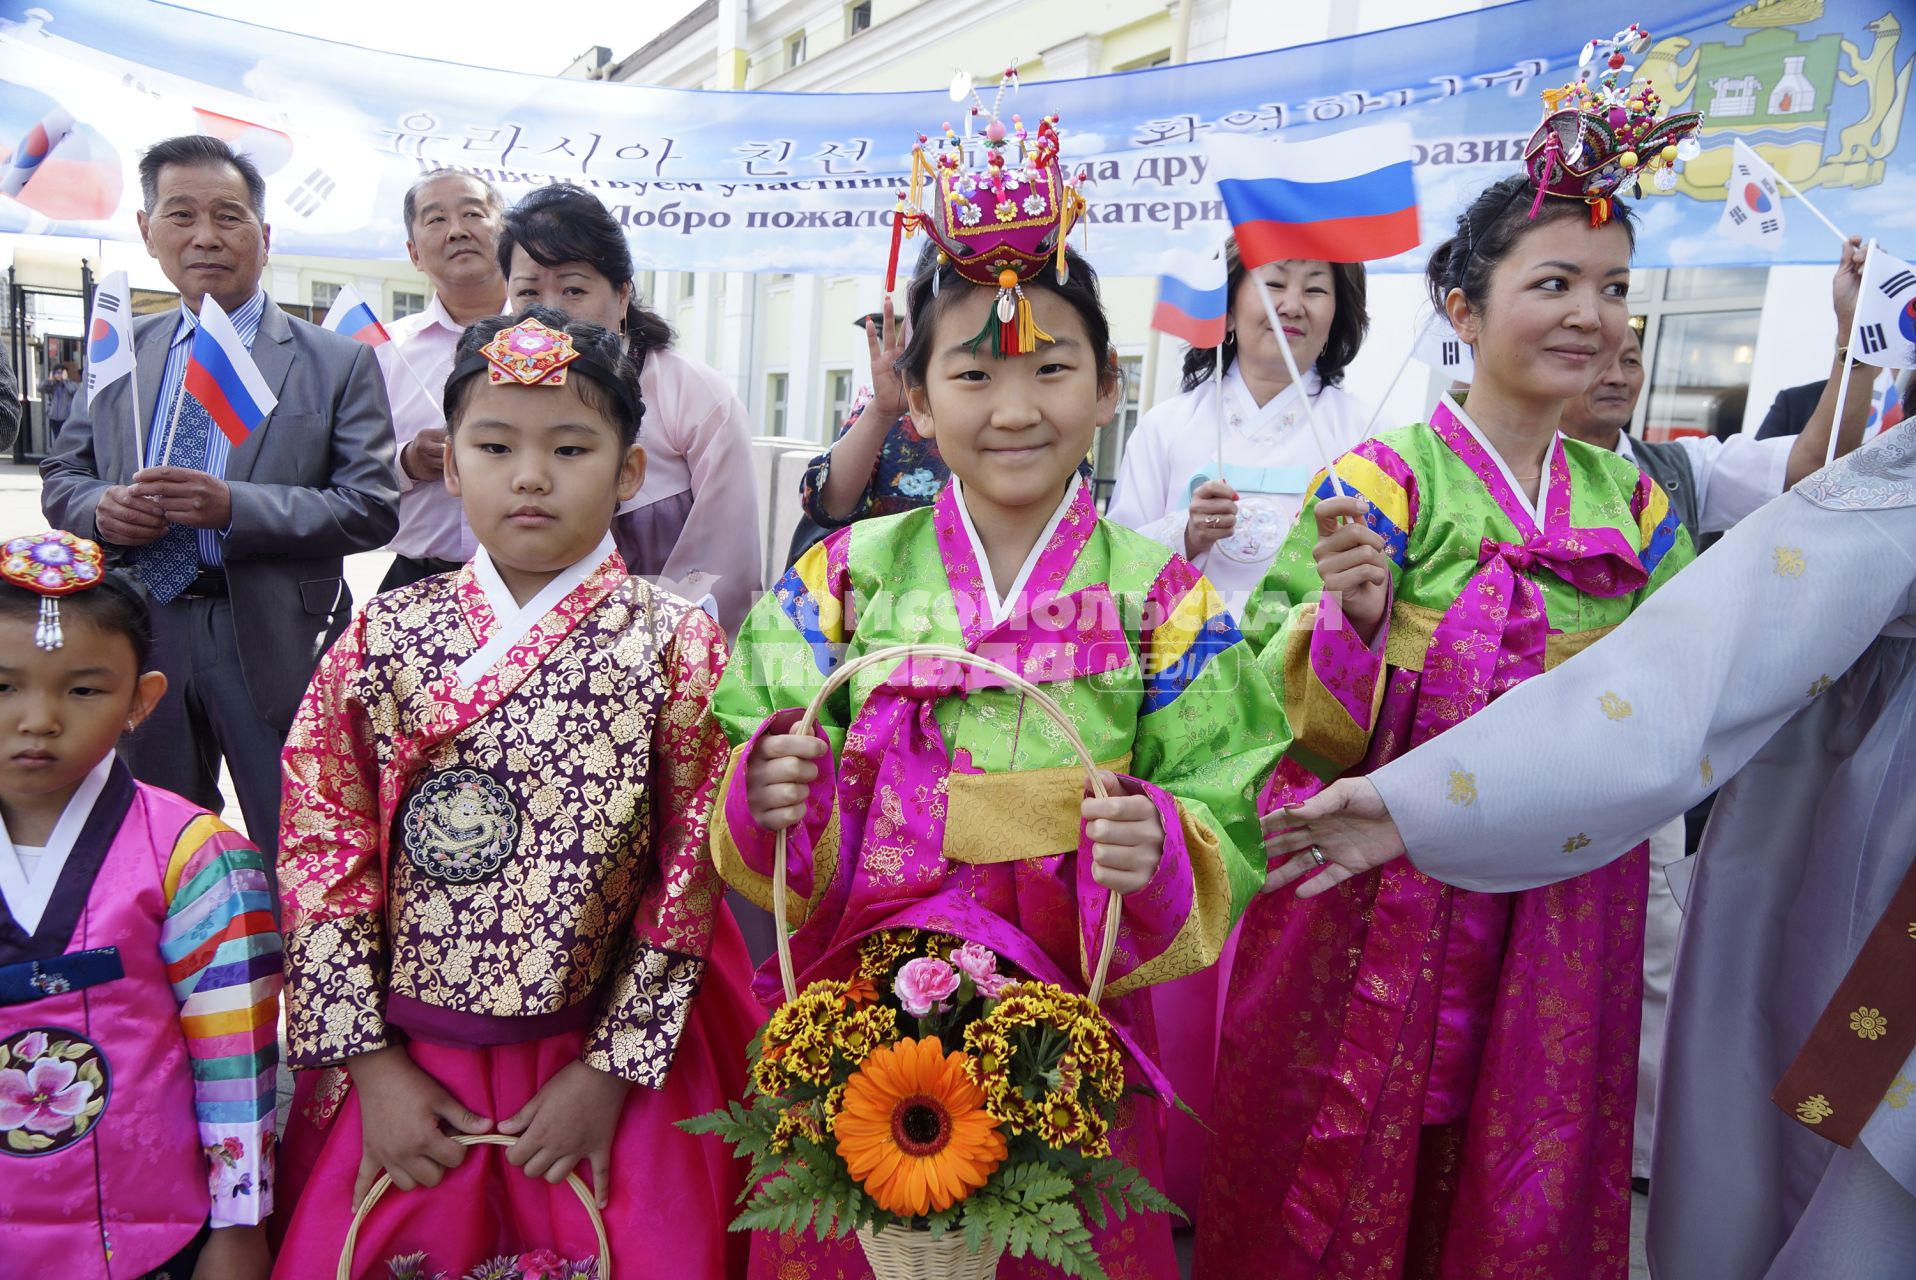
[1865,1033]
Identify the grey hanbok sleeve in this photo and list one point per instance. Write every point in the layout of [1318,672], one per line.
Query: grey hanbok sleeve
[1574,768]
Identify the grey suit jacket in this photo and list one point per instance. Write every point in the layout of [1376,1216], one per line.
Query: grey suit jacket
[313,483]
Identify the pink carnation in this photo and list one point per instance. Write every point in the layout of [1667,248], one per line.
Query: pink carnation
[975,961]
[992,985]
[541,1264]
[923,984]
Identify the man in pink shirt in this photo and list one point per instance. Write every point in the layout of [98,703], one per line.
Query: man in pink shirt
[452,225]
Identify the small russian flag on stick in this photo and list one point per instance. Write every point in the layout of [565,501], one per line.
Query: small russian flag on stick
[1348,197]
[351,315]
[1191,298]
[221,375]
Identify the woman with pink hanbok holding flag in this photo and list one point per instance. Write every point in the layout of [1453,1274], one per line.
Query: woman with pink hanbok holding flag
[1414,1080]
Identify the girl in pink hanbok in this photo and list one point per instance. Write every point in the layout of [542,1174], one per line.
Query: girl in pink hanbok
[501,915]
[1413,1080]
[929,797]
[139,963]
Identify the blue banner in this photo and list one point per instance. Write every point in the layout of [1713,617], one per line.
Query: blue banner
[752,181]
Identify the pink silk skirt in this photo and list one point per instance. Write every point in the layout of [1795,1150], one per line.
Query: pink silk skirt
[672,1193]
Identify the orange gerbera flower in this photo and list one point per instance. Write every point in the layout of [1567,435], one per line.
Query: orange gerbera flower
[914,1129]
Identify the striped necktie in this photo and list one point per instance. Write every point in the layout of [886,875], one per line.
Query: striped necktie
[170,565]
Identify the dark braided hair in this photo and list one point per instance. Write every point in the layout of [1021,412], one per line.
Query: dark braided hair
[597,341]
[1491,227]
[1350,322]
[118,604]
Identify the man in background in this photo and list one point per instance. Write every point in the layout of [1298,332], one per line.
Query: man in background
[452,229]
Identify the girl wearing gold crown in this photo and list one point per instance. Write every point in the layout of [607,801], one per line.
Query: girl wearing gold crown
[926,800]
[1415,1080]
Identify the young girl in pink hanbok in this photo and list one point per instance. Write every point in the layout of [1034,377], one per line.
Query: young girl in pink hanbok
[932,798]
[139,964]
[501,915]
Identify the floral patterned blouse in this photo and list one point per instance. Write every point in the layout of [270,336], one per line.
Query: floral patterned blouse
[908,474]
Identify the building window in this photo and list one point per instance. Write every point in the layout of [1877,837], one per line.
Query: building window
[840,381]
[324,292]
[407,304]
[1108,450]
[795,51]
[1698,326]
[858,17]
[776,388]
[688,285]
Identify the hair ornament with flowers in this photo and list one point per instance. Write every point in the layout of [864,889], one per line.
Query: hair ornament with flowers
[51,565]
[1602,131]
[1000,224]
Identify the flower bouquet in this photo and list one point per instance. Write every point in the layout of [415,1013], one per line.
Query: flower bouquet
[942,1110]
[937,1107]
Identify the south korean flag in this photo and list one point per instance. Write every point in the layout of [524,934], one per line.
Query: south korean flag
[1439,347]
[1884,330]
[1752,206]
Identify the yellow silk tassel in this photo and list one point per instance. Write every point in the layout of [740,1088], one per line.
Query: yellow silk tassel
[1029,334]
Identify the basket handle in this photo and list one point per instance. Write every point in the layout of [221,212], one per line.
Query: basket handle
[899,653]
[385,1182]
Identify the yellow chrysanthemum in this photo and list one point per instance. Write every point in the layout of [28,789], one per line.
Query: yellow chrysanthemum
[880,951]
[857,1034]
[914,1130]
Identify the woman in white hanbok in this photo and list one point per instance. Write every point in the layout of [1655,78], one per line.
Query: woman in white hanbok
[1782,667]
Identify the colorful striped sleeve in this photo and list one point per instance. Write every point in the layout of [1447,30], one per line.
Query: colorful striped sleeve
[1329,679]
[1663,544]
[222,955]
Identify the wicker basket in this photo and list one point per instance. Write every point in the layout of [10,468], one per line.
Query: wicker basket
[897,1253]
[385,1182]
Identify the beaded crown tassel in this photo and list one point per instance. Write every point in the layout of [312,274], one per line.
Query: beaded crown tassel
[999,222]
[1604,131]
[51,565]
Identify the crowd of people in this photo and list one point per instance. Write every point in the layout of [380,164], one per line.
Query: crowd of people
[491,814]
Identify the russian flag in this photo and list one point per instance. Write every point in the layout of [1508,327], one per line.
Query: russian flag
[221,375]
[1349,197]
[1192,298]
[350,315]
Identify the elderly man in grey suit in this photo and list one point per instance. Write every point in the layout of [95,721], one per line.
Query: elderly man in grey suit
[240,545]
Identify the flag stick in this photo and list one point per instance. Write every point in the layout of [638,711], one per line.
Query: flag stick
[1297,380]
[1220,409]
[1378,410]
[172,422]
[427,391]
[133,391]
[1849,357]
[1802,199]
